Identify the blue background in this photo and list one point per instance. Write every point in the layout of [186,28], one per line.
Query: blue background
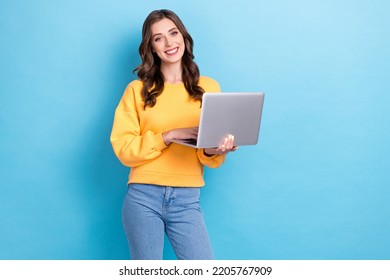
[315,187]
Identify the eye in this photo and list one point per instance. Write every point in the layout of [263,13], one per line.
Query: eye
[157,39]
[174,33]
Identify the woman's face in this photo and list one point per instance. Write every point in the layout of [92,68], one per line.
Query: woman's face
[167,41]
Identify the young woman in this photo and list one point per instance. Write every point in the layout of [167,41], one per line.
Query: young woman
[165,178]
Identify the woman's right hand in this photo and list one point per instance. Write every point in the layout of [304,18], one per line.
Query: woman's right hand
[180,133]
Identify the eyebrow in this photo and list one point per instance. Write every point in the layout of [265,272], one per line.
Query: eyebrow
[170,30]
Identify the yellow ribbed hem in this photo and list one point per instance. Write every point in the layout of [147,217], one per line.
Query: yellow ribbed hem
[173,180]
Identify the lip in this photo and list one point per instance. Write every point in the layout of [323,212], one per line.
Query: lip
[172,51]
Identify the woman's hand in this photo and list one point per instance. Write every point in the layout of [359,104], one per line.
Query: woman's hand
[180,133]
[226,147]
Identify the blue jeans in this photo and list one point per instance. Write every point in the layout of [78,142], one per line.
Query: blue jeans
[150,210]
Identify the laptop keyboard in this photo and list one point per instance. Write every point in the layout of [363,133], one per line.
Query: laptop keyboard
[190,141]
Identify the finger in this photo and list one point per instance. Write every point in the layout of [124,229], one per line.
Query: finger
[224,145]
[228,144]
[230,141]
[192,132]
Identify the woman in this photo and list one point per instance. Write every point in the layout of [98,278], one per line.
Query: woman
[165,178]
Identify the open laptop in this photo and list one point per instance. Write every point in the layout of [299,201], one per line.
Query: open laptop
[236,113]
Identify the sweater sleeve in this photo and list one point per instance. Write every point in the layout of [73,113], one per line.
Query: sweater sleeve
[130,146]
[213,161]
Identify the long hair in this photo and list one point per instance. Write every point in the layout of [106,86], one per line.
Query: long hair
[149,70]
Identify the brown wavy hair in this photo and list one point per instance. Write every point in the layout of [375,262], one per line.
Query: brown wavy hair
[149,70]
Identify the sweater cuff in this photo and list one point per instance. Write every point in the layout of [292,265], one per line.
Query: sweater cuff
[213,161]
[160,144]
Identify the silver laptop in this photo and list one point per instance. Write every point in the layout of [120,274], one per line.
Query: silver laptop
[236,113]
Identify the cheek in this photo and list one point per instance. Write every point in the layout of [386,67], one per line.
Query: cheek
[182,41]
[153,47]
[156,47]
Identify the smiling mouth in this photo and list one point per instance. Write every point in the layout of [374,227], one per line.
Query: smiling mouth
[172,51]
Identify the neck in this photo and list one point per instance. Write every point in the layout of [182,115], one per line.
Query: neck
[172,73]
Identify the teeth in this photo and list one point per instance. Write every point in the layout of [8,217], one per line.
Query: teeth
[171,51]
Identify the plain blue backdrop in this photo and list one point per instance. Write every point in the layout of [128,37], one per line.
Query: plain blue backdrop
[315,187]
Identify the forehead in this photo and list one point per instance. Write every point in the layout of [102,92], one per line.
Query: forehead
[162,26]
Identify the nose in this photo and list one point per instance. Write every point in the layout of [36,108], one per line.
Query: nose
[168,41]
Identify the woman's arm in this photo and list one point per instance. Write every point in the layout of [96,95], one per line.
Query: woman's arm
[130,146]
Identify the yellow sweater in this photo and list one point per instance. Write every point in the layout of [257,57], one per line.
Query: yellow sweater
[136,136]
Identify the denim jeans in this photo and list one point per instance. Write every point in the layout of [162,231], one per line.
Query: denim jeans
[150,210]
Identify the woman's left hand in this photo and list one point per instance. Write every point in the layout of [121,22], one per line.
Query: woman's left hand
[226,147]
